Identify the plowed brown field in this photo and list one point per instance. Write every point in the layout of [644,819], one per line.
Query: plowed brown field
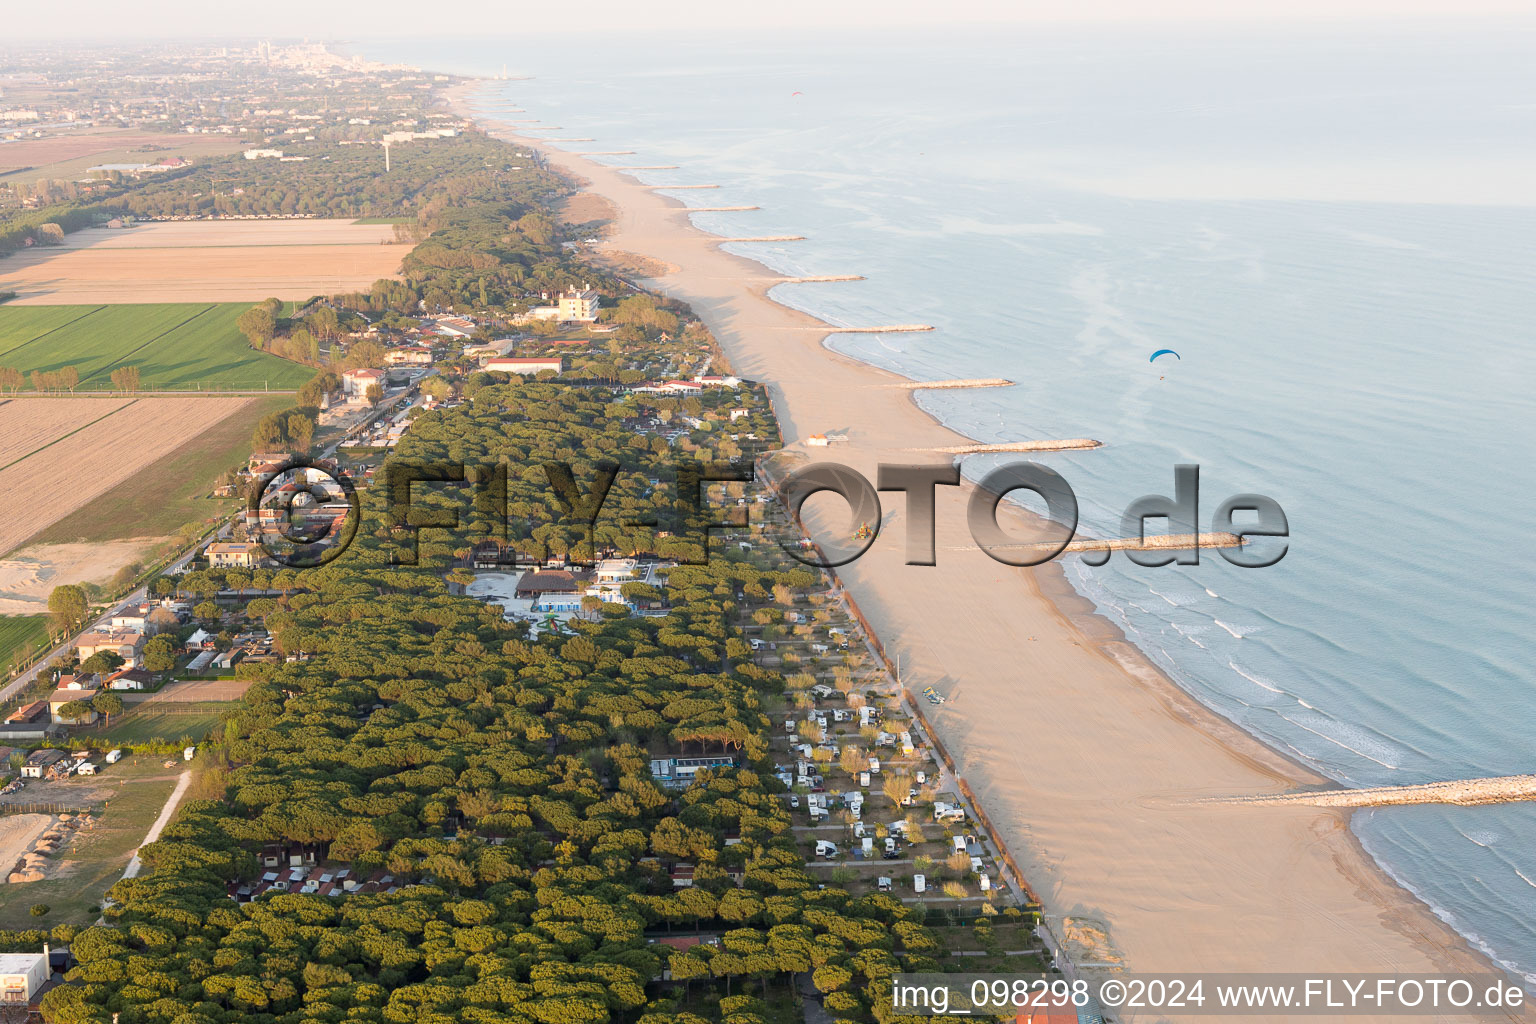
[55,479]
[205,261]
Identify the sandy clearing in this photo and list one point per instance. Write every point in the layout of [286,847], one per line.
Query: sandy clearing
[584,207]
[28,576]
[96,459]
[192,691]
[27,424]
[205,261]
[17,834]
[1079,748]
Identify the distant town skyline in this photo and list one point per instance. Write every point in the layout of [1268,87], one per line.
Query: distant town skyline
[99,19]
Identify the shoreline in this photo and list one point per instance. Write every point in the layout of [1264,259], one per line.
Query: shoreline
[1099,837]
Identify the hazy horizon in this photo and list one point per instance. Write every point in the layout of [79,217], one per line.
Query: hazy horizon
[183,19]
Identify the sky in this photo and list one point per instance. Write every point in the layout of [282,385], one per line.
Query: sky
[329,19]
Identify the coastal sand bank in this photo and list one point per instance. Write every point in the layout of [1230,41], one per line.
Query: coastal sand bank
[1086,757]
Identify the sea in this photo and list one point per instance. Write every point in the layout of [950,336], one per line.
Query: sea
[1331,226]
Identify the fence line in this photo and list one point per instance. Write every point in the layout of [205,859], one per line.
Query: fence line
[200,387]
[47,808]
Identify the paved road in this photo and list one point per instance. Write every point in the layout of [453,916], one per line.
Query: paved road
[24,680]
[810,1001]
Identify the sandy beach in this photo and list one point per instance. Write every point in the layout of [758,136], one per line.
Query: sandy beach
[1085,756]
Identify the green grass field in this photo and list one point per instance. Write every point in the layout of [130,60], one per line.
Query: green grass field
[129,796]
[181,346]
[157,500]
[163,724]
[21,634]
[385,220]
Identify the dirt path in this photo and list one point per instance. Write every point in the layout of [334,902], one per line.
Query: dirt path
[166,813]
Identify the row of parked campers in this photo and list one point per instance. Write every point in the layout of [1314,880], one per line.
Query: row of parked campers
[920,883]
[826,849]
[866,715]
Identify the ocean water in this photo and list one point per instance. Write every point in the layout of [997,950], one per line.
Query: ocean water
[1331,229]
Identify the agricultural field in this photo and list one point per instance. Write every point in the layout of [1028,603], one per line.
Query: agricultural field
[176,346]
[169,492]
[205,261]
[23,431]
[71,157]
[21,635]
[98,457]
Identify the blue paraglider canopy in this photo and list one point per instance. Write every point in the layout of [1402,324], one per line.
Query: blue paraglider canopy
[1165,352]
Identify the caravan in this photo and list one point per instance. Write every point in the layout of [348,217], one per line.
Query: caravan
[943,812]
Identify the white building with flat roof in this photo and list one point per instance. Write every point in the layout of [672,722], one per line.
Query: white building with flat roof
[530,367]
[21,975]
